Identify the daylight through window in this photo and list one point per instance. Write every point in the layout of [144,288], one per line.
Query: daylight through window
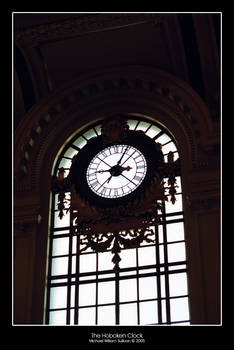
[151,286]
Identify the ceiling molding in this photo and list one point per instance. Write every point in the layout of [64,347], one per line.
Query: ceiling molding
[139,88]
[89,23]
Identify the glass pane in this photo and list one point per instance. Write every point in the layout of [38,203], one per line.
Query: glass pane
[87,262]
[177,267]
[65,221]
[175,154]
[176,252]
[72,313]
[146,256]
[128,290]
[86,278]
[171,208]
[143,126]
[181,324]
[98,129]
[87,316]
[80,142]
[59,280]
[87,294]
[160,234]
[128,258]
[73,264]
[163,139]
[105,261]
[70,152]
[59,266]
[89,134]
[106,315]
[178,284]
[58,317]
[147,288]
[179,309]
[175,232]
[73,290]
[161,254]
[178,183]
[129,273]
[164,313]
[128,314]
[65,163]
[62,232]
[132,124]
[162,281]
[66,205]
[147,271]
[153,131]
[170,147]
[60,246]
[174,217]
[74,244]
[148,312]
[58,297]
[106,292]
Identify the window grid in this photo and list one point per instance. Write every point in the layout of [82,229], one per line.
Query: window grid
[73,279]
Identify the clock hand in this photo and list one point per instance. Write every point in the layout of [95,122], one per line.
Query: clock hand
[128,158]
[104,162]
[128,179]
[102,171]
[122,156]
[107,180]
[126,168]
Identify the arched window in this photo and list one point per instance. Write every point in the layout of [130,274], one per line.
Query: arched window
[151,286]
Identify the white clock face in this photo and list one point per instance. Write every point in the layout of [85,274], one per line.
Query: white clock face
[116,171]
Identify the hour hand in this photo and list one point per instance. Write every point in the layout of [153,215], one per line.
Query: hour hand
[102,171]
[126,168]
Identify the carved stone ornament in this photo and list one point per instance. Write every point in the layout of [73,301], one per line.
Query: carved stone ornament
[123,220]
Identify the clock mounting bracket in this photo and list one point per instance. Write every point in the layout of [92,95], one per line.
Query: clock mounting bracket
[120,222]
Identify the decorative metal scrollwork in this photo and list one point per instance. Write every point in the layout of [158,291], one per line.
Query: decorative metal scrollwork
[126,224]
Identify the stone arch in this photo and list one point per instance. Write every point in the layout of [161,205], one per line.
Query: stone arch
[131,89]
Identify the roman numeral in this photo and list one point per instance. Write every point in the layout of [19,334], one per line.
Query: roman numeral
[137,178]
[140,166]
[103,191]
[94,183]
[115,149]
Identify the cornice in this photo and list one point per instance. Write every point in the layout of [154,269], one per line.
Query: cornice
[141,84]
[81,25]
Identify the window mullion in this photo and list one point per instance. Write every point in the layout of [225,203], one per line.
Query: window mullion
[158,275]
[168,313]
[138,293]
[69,271]
[117,298]
[50,259]
[76,313]
[97,273]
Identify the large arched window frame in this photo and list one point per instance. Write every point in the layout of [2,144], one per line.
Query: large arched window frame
[151,286]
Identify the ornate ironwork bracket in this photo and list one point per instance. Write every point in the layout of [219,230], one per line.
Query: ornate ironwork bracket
[95,227]
[118,240]
[121,226]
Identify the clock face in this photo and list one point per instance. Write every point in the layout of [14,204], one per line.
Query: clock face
[116,171]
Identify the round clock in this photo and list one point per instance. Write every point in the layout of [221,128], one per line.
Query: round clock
[113,174]
[116,171]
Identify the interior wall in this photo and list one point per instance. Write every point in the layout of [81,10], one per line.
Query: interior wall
[54,121]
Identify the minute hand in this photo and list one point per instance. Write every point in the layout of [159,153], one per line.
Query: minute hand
[122,155]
